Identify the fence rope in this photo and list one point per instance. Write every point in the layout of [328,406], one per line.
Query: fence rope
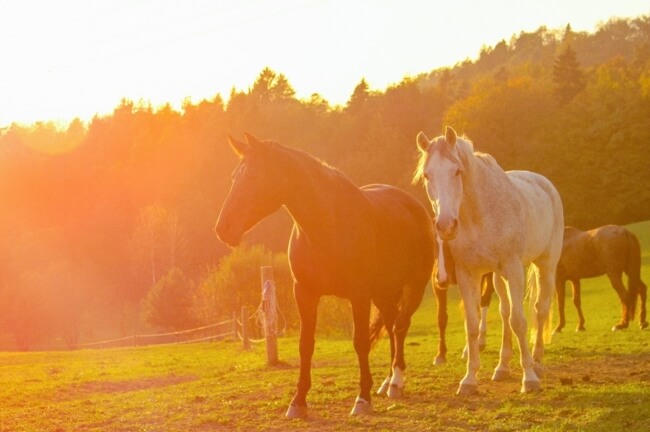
[133,339]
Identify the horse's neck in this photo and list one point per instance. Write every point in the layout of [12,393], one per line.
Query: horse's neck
[316,197]
[483,195]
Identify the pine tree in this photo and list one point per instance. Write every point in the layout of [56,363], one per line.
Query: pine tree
[568,77]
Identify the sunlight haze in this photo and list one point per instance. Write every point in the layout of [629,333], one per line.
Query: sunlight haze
[78,58]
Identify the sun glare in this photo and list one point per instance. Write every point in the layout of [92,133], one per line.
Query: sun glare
[93,55]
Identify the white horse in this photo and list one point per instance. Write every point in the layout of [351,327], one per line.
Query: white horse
[499,222]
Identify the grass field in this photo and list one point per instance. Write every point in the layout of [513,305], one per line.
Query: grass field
[596,380]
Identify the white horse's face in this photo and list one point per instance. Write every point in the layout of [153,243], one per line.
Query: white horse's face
[442,173]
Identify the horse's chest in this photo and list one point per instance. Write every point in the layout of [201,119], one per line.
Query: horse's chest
[475,255]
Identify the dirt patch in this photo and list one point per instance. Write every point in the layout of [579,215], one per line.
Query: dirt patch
[610,369]
[129,385]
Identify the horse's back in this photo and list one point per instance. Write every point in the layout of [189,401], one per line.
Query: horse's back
[592,253]
[579,258]
[379,241]
[615,245]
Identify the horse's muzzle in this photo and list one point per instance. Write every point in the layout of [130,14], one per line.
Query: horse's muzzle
[447,230]
[227,234]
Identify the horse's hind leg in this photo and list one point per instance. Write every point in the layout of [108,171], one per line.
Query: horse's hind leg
[487,289]
[389,313]
[560,288]
[542,310]
[578,304]
[502,370]
[361,317]
[643,293]
[617,283]
[441,300]
[514,273]
[410,301]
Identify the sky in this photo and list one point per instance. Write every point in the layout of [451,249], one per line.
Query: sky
[61,59]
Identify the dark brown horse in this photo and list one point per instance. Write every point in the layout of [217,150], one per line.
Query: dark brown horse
[610,250]
[368,245]
[444,275]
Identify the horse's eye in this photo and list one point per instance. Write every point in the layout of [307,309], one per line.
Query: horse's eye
[458,172]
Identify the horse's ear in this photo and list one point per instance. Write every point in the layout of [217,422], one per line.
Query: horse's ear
[450,135]
[423,142]
[252,141]
[239,147]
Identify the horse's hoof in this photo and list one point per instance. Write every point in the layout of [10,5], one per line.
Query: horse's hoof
[643,325]
[531,386]
[581,328]
[620,326]
[361,407]
[395,392]
[439,360]
[383,389]
[557,330]
[467,390]
[500,375]
[295,411]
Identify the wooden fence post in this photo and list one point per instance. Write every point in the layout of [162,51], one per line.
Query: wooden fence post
[269,308]
[234,325]
[244,328]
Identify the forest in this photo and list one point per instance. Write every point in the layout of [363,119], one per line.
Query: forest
[107,226]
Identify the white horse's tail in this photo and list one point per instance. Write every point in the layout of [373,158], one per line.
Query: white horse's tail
[532,297]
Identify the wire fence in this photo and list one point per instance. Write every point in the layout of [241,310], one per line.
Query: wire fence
[245,328]
[261,326]
[208,333]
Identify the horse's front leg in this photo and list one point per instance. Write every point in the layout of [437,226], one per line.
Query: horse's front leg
[560,289]
[469,286]
[307,309]
[502,371]
[361,317]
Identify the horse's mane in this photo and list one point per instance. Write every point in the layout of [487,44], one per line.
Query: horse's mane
[465,150]
[309,164]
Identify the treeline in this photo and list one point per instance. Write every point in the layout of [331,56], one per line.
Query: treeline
[101,220]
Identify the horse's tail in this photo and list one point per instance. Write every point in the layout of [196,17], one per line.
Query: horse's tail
[376,329]
[532,296]
[633,271]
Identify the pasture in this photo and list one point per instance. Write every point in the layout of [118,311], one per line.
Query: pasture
[596,380]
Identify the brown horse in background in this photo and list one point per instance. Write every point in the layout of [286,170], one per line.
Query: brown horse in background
[610,250]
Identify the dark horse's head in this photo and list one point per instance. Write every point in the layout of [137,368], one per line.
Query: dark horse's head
[257,189]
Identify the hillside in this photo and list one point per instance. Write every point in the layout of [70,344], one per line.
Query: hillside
[94,215]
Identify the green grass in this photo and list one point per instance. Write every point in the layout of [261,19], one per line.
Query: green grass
[596,380]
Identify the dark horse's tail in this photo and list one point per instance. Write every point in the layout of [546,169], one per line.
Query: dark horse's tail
[404,308]
[377,328]
[636,286]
